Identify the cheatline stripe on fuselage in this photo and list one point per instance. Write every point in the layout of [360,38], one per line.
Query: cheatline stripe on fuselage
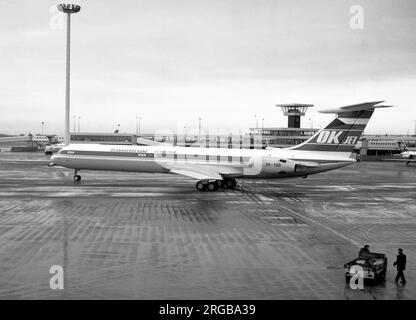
[312,146]
[159,156]
[80,154]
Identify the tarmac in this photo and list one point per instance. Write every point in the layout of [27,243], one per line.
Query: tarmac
[144,236]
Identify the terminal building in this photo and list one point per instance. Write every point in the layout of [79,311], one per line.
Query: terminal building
[292,135]
[207,141]
[28,142]
[102,138]
[376,147]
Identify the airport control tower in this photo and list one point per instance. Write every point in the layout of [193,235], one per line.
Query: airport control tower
[294,111]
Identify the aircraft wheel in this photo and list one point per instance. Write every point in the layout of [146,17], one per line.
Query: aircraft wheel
[200,186]
[230,183]
[77,178]
[212,186]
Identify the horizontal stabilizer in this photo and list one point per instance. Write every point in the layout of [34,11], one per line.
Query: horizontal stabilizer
[356,107]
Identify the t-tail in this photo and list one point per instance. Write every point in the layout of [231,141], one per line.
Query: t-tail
[343,132]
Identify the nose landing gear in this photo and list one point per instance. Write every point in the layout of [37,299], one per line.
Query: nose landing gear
[77,177]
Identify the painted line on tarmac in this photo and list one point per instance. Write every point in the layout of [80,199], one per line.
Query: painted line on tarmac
[323,226]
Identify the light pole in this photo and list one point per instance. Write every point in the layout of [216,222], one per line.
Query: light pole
[74,122]
[79,124]
[68,9]
[311,125]
[199,128]
[137,126]
[257,121]
[262,123]
[42,126]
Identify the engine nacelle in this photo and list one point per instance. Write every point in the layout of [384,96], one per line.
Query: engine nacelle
[273,165]
[269,167]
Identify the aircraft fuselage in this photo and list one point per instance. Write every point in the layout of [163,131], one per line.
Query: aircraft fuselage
[239,163]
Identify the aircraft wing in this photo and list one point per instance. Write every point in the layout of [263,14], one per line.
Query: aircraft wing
[148,142]
[203,171]
[207,175]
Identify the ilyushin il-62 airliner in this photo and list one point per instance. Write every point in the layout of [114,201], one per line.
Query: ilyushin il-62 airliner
[330,148]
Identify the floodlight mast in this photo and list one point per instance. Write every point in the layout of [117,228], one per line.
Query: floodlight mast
[68,9]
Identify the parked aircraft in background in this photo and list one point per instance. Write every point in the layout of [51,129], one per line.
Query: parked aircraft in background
[330,148]
[406,155]
[53,148]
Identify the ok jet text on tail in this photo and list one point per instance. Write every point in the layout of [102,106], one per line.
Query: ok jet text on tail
[330,148]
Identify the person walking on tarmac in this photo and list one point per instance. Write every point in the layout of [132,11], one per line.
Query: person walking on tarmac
[400,264]
[366,248]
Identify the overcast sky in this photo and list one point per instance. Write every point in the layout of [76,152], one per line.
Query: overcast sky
[172,61]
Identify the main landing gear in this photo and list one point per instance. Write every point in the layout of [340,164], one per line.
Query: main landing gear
[77,177]
[215,185]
